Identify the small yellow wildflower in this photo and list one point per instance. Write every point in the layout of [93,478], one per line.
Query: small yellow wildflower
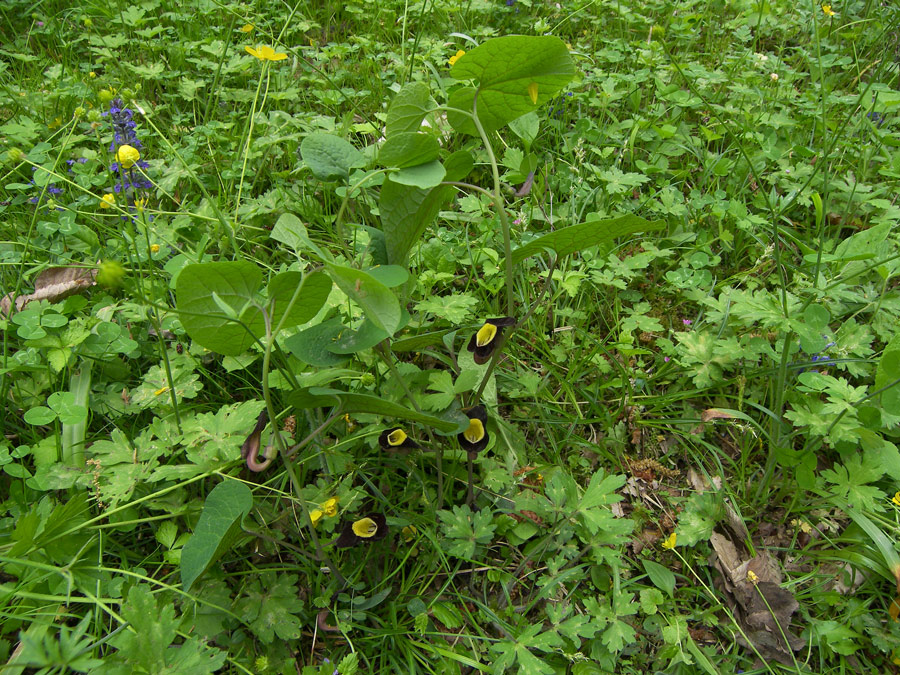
[752,577]
[107,201]
[669,543]
[265,53]
[827,11]
[140,204]
[330,507]
[896,499]
[92,74]
[456,57]
[533,92]
[154,248]
[246,28]
[316,515]
[127,156]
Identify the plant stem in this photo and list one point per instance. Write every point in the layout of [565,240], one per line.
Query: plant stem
[499,205]
[283,451]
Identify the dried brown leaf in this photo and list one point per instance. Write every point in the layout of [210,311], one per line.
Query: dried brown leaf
[715,414]
[762,608]
[53,284]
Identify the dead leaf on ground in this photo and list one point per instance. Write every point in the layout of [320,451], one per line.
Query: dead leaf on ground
[761,607]
[715,414]
[53,284]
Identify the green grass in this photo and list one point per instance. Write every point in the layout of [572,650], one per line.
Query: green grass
[728,377]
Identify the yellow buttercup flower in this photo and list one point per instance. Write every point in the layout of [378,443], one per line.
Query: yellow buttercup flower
[246,28]
[316,515]
[127,156]
[154,248]
[669,543]
[896,499]
[140,204]
[330,507]
[265,53]
[827,11]
[456,57]
[107,201]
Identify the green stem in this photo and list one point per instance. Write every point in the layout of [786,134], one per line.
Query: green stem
[264,73]
[499,205]
[283,451]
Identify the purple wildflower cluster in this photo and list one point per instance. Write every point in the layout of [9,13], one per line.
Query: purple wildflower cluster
[130,180]
[124,134]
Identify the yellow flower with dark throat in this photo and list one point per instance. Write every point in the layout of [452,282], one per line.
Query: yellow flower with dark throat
[475,437]
[396,439]
[483,343]
[371,528]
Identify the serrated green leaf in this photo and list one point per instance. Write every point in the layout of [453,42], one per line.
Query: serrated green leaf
[329,157]
[576,238]
[223,510]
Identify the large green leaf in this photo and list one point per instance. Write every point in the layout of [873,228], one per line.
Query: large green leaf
[225,506]
[405,213]
[330,157]
[421,176]
[408,148]
[312,344]
[320,397]
[888,371]
[575,238]
[376,300]
[234,284]
[515,75]
[408,109]
[303,294]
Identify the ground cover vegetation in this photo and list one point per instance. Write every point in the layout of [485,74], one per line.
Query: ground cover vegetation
[449,337]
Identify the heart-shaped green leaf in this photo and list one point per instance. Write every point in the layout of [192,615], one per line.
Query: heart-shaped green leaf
[408,148]
[234,283]
[329,157]
[408,109]
[300,296]
[421,176]
[515,75]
